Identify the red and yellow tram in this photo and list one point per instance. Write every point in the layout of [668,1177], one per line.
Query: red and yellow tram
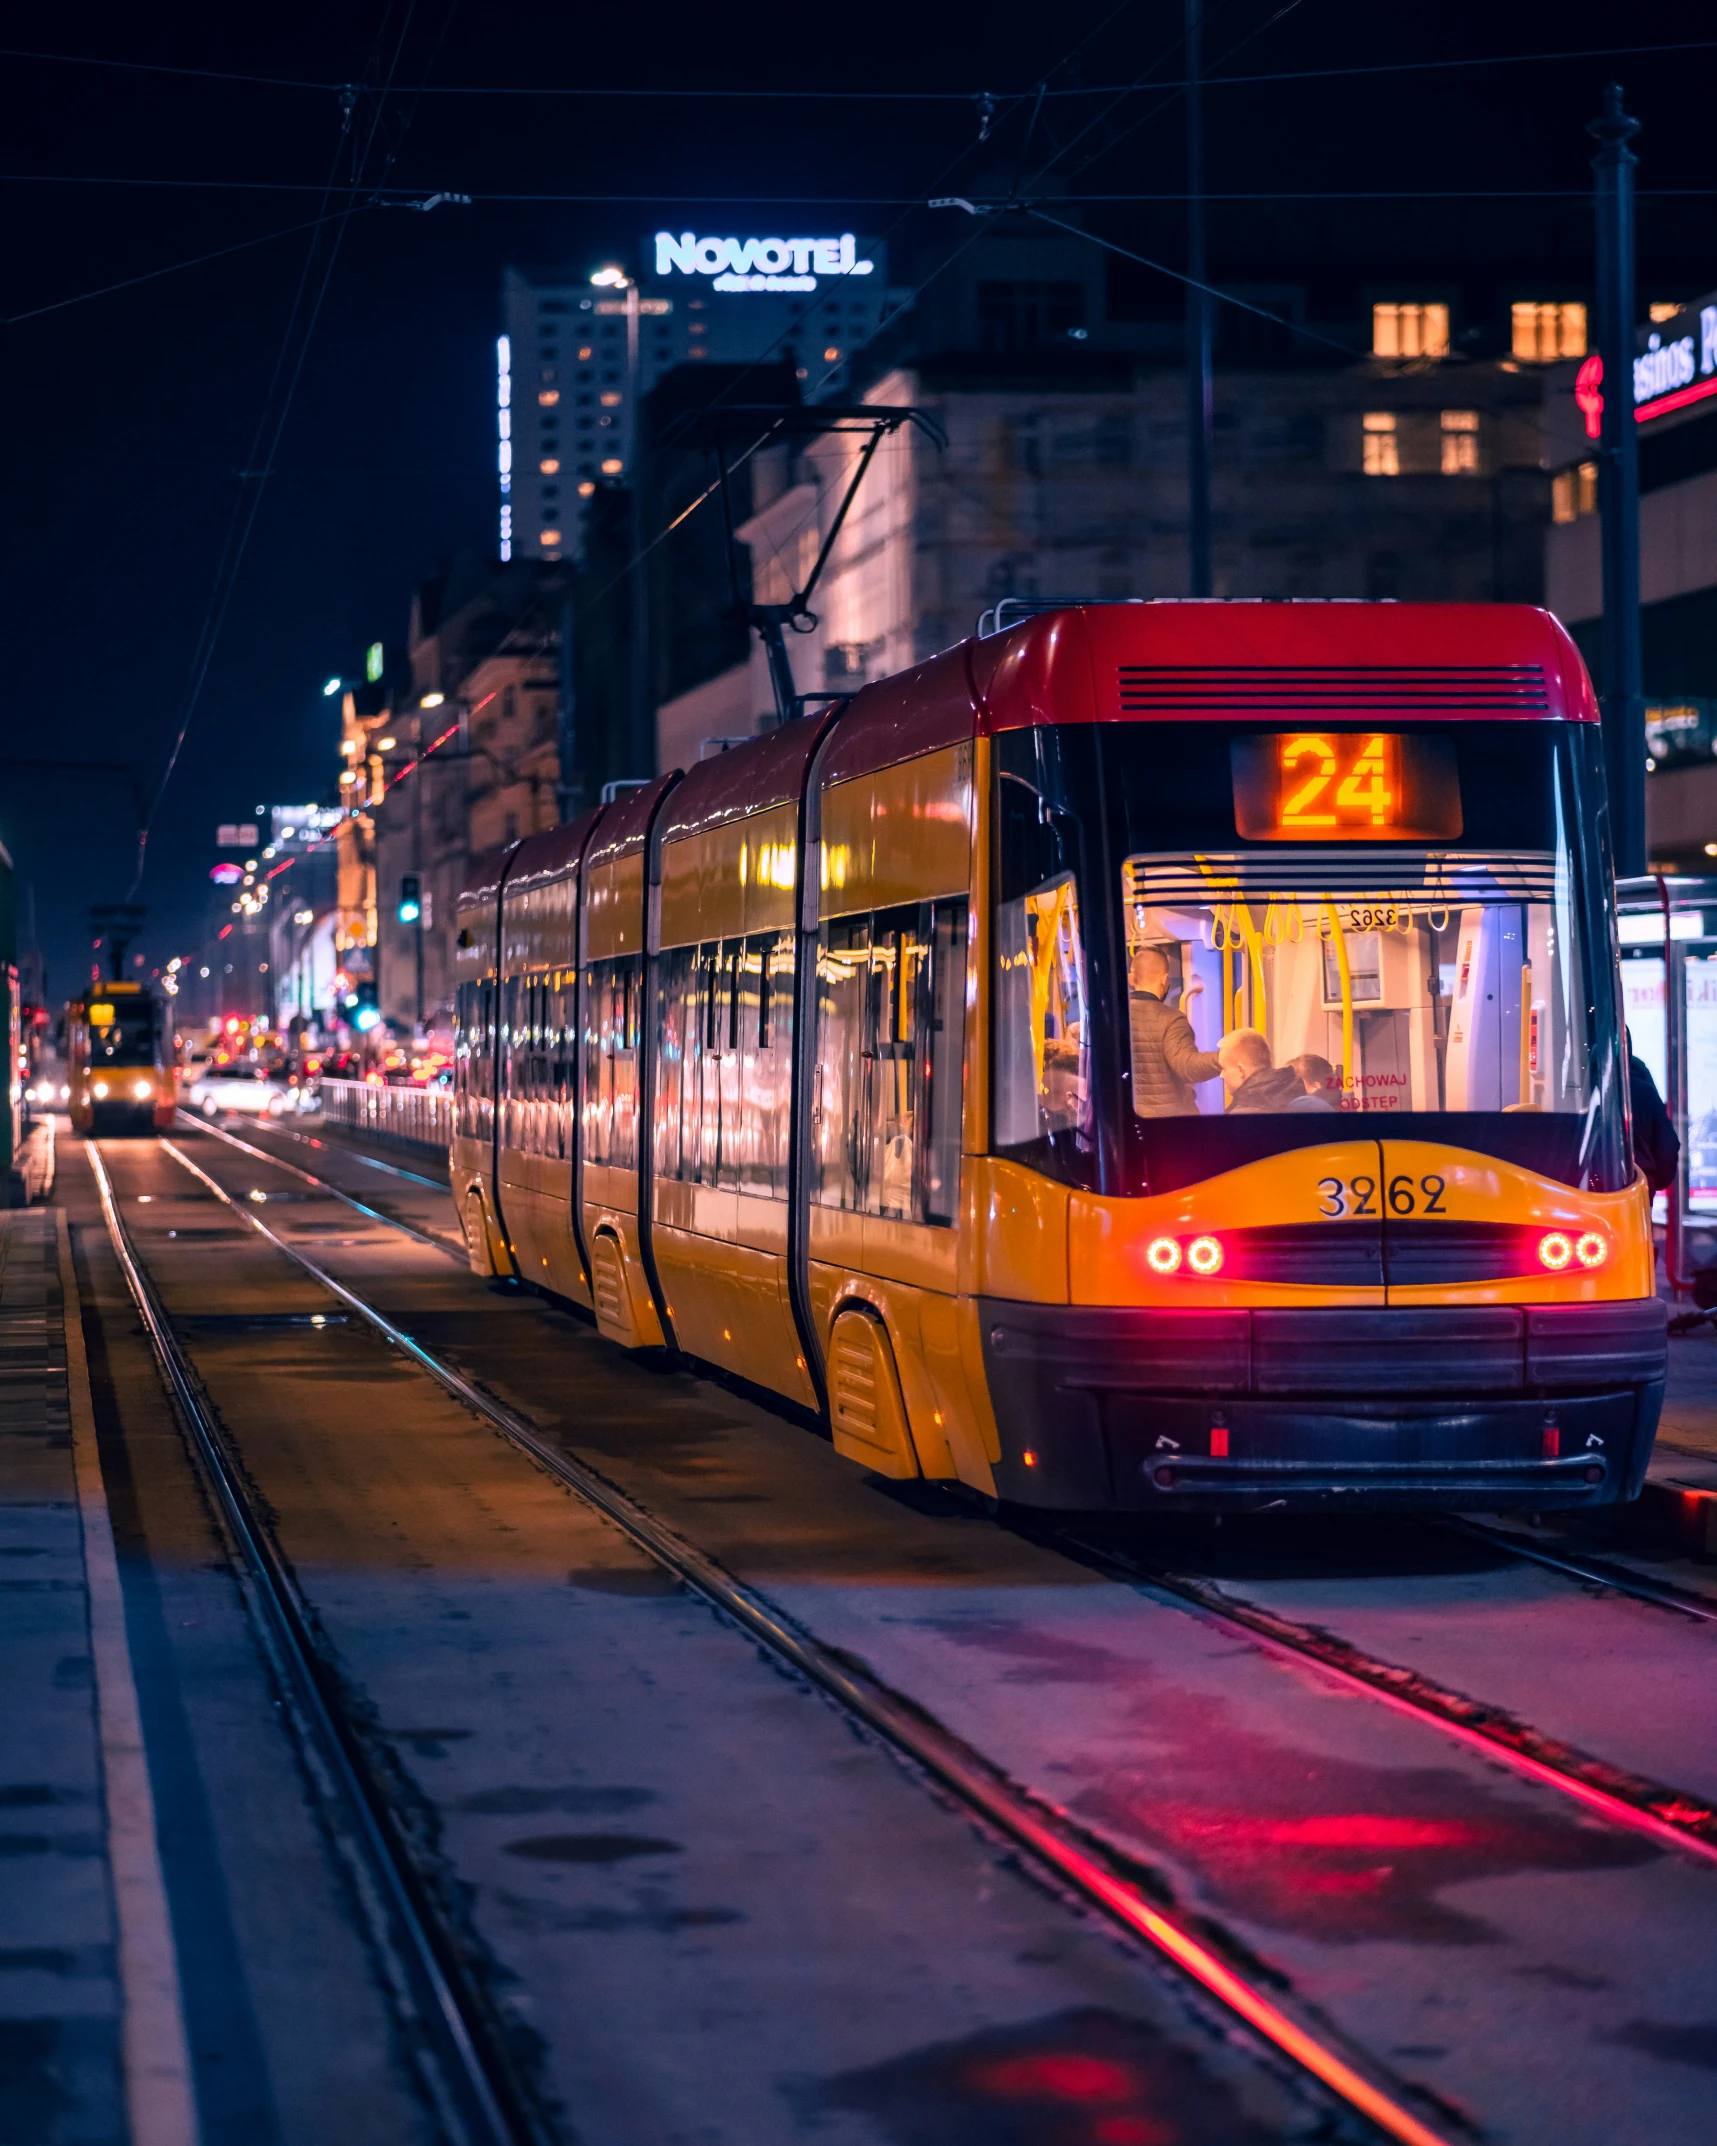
[120,1060]
[983,1062]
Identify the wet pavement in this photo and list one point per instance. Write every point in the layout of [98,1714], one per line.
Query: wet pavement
[711,1909]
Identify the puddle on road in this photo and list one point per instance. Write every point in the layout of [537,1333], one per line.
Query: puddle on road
[1284,1834]
[1078,2078]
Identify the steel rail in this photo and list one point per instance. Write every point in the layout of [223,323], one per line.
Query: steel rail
[1053,1842]
[375,1214]
[1665,1815]
[1597,1571]
[457,2046]
[370,1162]
[1668,1816]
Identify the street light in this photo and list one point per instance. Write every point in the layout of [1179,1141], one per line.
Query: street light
[610,278]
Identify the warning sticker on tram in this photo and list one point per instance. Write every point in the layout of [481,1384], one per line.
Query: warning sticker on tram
[1345,786]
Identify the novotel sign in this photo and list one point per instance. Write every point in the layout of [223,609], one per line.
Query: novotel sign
[759,264]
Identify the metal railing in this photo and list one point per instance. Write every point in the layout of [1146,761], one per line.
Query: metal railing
[421,1117]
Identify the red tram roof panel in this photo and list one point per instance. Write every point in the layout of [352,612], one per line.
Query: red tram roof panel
[551,855]
[1299,662]
[626,822]
[482,882]
[766,771]
[900,717]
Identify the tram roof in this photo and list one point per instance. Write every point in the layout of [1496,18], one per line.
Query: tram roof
[1294,662]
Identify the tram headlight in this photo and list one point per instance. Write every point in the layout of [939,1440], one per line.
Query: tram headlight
[142,1090]
[1162,1255]
[1204,1255]
[1592,1249]
[99,1091]
[1555,1250]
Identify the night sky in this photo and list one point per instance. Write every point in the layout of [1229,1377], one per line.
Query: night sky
[132,415]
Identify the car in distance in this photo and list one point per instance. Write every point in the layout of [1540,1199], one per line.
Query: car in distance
[250,1089]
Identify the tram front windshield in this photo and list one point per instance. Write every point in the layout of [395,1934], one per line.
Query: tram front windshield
[1215,942]
[122,1032]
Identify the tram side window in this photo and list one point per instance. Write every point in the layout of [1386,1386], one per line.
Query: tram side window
[724,1028]
[887,1084]
[474,1054]
[614,991]
[1043,1102]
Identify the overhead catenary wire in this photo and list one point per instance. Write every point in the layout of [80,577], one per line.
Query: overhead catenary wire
[171,268]
[426,197]
[841,93]
[277,405]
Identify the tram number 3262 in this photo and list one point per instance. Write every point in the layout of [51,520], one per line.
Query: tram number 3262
[1358,1196]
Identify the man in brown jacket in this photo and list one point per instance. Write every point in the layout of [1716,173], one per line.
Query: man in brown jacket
[1167,1062]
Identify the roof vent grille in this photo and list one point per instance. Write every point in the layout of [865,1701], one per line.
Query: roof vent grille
[1328,691]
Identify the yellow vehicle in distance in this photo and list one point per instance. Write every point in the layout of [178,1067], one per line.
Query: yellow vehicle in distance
[119,1055]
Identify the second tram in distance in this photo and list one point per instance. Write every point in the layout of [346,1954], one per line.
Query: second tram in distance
[119,1061]
[983,1062]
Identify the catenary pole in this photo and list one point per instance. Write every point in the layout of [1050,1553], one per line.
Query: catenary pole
[1199,413]
[1618,484]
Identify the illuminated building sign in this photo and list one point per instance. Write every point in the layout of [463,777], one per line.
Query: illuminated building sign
[504,425]
[1335,786]
[1678,363]
[759,264]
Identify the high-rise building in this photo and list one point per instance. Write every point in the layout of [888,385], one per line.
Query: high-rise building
[568,372]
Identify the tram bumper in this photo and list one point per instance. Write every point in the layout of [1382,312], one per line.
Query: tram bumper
[1477,1407]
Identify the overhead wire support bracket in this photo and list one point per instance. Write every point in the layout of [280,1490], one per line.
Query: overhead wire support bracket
[771,622]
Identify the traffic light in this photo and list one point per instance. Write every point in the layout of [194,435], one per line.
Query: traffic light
[410,898]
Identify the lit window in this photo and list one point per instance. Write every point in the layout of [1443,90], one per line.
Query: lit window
[585,489]
[1460,443]
[1549,331]
[832,352]
[1665,309]
[611,402]
[1382,448]
[549,397]
[549,466]
[1409,331]
[613,466]
[551,537]
[1574,492]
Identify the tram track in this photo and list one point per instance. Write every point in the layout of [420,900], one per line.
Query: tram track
[455,2043]
[1664,1814]
[1078,1863]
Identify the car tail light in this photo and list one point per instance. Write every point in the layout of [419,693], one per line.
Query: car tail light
[1592,1249]
[1162,1255]
[1555,1250]
[1204,1255]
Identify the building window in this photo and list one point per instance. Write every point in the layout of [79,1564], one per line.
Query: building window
[1026,316]
[1664,308]
[1542,332]
[1409,331]
[611,402]
[551,537]
[549,397]
[1382,446]
[1574,492]
[549,466]
[1460,443]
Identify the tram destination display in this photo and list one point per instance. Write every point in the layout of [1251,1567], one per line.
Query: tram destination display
[1335,786]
